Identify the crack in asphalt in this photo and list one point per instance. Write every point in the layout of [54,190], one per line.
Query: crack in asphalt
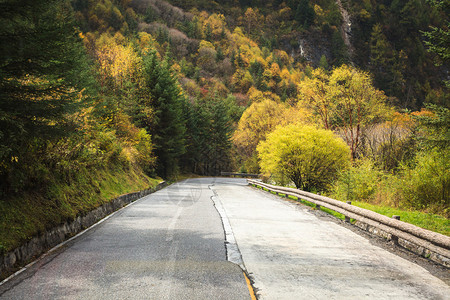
[232,251]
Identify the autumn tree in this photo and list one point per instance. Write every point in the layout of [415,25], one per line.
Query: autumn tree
[314,94]
[256,122]
[357,104]
[311,158]
[390,143]
[345,101]
[252,20]
[206,57]
[119,63]
[214,27]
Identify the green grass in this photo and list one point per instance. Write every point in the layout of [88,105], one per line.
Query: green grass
[310,204]
[31,213]
[424,220]
[332,212]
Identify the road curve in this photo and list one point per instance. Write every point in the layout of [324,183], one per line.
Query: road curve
[170,245]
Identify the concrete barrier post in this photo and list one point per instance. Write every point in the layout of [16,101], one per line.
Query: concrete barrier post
[394,238]
[347,219]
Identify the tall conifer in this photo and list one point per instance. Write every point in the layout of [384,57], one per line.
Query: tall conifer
[168,126]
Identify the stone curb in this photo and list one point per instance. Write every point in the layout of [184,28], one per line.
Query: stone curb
[19,257]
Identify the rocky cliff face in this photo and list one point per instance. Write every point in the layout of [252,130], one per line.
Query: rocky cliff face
[346,28]
[312,44]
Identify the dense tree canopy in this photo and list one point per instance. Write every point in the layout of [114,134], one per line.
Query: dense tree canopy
[346,101]
[196,88]
[258,120]
[44,77]
[168,124]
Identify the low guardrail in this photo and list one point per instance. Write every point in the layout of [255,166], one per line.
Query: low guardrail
[432,245]
[243,175]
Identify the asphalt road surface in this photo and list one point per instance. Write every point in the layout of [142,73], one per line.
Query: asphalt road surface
[291,253]
[168,245]
[174,244]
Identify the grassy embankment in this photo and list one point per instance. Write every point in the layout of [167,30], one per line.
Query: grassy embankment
[31,213]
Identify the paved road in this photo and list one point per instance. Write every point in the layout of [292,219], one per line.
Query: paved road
[170,245]
[292,254]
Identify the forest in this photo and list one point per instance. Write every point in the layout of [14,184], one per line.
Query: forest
[102,97]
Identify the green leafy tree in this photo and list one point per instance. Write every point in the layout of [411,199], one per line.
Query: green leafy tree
[358,183]
[386,65]
[219,134]
[309,157]
[196,136]
[323,63]
[438,37]
[434,130]
[427,184]
[339,49]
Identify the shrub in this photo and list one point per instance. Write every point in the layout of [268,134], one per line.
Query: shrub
[427,184]
[309,157]
[359,183]
[146,159]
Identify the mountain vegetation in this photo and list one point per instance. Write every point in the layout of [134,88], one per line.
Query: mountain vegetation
[151,89]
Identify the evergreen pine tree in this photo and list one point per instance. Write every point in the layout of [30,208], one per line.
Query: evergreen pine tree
[220,138]
[43,68]
[305,14]
[168,126]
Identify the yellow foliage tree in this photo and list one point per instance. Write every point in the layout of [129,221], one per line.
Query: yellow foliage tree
[215,24]
[252,20]
[242,80]
[345,101]
[117,63]
[309,157]
[314,94]
[146,42]
[356,104]
[255,95]
[257,121]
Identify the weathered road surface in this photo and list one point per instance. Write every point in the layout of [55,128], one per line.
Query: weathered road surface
[292,254]
[170,245]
